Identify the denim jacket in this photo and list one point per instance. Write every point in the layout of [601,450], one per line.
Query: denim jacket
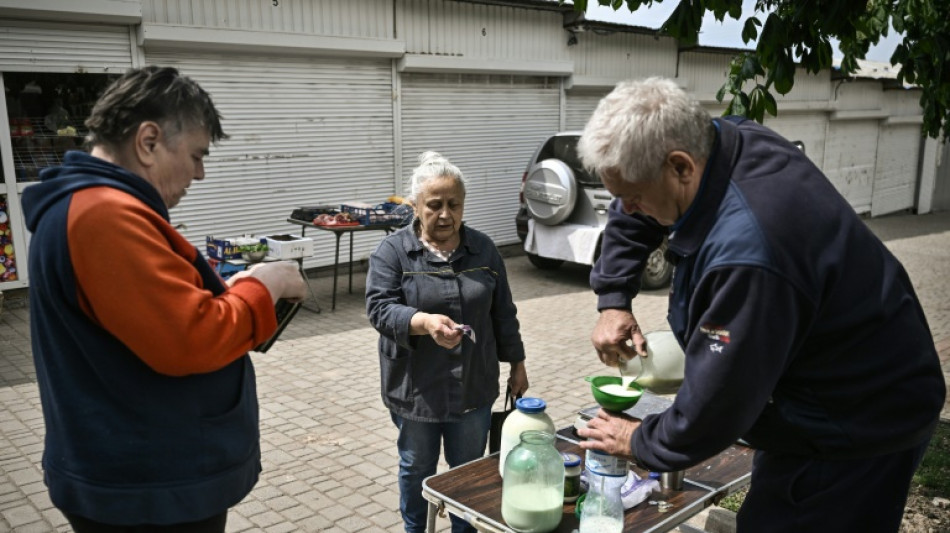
[420,379]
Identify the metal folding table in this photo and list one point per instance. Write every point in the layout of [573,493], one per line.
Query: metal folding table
[338,231]
[473,490]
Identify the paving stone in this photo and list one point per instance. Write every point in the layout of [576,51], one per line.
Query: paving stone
[267,518]
[21,516]
[237,523]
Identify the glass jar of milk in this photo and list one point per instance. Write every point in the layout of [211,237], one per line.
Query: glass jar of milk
[532,493]
[528,414]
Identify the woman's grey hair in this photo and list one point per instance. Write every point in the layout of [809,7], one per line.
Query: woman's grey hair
[638,124]
[432,165]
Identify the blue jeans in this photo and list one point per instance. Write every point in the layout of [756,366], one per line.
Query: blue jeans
[418,446]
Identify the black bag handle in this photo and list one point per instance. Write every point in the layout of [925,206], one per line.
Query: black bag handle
[508,398]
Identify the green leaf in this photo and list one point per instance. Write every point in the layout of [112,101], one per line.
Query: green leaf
[770,105]
[898,23]
[748,67]
[730,108]
[738,108]
[735,10]
[783,75]
[750,29]
[721,93]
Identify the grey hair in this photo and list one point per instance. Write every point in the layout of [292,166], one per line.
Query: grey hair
[638,124]
[432,165]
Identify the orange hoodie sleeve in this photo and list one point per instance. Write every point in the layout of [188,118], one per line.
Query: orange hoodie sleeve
[135,277]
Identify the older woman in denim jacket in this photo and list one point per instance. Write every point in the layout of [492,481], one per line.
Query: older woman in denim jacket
[425,282]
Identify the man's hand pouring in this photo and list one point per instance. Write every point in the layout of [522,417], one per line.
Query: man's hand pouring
[617,337]
[610,433]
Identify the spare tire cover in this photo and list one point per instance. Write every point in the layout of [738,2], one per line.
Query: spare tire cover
[550,192]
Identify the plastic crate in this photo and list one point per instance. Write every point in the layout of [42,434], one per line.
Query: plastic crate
[384,214]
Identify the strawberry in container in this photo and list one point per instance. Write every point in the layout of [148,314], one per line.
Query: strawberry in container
[338,219]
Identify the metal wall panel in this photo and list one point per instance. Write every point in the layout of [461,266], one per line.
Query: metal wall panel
[623,56]
[480,31]
[808,88]
[895,173]
[850,158]
[57,47]
[705,72]
[857,94]
[488,126]
[302,132]
[809,128]
[343,18]
[903,102]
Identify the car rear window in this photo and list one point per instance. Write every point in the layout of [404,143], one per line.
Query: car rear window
[564,147]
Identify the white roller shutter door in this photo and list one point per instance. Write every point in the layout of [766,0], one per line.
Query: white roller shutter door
[57,47]
[895,176]
[850,160]
[580,106]
[488,126]
[303,131]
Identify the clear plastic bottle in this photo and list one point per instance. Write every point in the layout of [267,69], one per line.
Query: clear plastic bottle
[532,493]
[603,509]
[528,414]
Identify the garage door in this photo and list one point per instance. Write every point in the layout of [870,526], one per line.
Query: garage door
[55,47]
[580,106]
[895,175]
[488,126]
[303,131]
[850,159]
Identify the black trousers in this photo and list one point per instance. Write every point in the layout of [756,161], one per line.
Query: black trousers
[215,524]
[796,494]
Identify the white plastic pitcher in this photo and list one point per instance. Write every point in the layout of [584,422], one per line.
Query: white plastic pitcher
[662,367]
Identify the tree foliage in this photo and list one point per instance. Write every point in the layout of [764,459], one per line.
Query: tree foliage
[794,33]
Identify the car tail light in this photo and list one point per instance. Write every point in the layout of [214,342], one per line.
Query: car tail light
[521,190]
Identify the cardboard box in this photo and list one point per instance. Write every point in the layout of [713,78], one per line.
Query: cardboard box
[289,246]
[221,248]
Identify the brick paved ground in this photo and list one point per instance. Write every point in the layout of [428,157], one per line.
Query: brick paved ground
[328,444]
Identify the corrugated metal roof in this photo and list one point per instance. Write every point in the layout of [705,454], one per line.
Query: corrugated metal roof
[872,70]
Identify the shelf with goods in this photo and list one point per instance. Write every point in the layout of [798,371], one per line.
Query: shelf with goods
[8,267]
[35,146]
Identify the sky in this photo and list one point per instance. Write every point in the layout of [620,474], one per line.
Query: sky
[714,33]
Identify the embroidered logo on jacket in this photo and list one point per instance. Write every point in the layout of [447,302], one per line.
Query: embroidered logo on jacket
[715,333]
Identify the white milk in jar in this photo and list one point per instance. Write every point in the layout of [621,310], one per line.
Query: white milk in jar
[528,414]
[533,507]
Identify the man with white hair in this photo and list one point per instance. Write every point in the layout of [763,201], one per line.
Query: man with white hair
[802,332]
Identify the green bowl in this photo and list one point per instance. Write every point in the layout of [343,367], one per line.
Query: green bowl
[613,402]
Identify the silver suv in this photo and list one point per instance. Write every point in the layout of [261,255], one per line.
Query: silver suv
[564,211]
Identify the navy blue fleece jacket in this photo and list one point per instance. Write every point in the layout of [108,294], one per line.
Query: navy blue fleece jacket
[802,332]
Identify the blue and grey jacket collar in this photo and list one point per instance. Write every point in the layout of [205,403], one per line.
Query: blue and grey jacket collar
[692,230]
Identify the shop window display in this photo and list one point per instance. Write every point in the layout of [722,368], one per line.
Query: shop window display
[46,113]
[7,256]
